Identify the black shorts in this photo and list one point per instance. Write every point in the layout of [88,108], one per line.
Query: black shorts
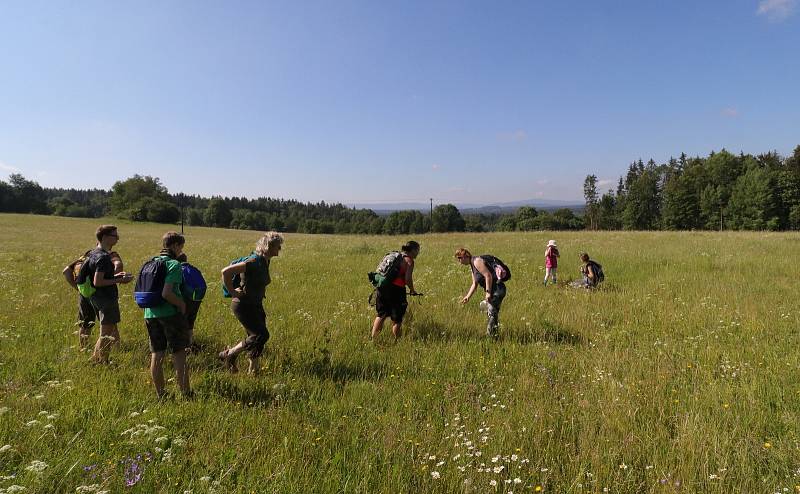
[107,309]
[391,302]
[86,312]
[169,331]
[254,320]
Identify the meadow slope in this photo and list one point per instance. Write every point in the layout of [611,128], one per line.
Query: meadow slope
[681,375]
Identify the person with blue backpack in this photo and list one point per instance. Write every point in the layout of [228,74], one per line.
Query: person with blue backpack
[158,292]
[245,281]
[193,289]
[491,274]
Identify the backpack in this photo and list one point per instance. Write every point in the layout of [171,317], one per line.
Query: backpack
[598,272]
[387,270]
[194,285]
[237,277]
[84,279]
[498,267]
[150,283]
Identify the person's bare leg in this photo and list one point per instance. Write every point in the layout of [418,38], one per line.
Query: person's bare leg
[157,372]
[377,326]
[84,331]
[102,349]
[254,366]
[397,329]
[181,371]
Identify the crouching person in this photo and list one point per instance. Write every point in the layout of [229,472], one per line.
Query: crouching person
[489,273]
[166,321]
[245,281]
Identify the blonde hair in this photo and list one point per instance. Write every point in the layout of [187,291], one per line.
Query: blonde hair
[268,240]
[462,252]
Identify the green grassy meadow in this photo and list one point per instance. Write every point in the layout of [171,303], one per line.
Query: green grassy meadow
[680,375]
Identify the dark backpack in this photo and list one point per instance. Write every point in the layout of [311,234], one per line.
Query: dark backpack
[150,283]
[194,285]
[501,271]
[237,277]
[387,270]
[85,278]
[599,276]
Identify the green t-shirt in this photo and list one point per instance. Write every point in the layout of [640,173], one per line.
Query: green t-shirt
[175,277]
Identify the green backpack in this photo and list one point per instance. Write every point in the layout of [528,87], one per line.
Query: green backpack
[84,279]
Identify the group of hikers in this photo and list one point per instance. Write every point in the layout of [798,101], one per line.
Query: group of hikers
[395,272]
[170,291]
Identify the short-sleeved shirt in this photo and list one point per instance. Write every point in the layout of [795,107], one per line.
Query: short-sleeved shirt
[551,258]
[100,261]
[255,280]
[75,266]
[174,276]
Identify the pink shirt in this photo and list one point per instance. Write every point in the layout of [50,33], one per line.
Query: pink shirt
[551,257]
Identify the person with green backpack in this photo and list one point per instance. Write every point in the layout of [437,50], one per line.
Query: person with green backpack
[392,276]
[86,313]
[97,281]
[245,281]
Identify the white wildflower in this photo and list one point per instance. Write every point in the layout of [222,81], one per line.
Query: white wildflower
[436,475]
[36,466]
[5,448]
[31,423]
[499,469]
[493,482]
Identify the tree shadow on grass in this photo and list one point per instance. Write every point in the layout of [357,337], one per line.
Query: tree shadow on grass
[250,392]
[546,333]
[345,372]
[549,333]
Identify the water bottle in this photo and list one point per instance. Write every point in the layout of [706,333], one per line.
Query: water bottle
[484,305]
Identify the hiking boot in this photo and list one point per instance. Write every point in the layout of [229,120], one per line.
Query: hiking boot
[228,361]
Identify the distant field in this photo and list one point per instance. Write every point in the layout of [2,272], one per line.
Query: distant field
[681,375]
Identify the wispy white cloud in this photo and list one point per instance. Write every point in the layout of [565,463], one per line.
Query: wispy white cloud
[435,166]
[776,10]
[518,135]
[543,181]
[605,181]
[8,168]
[730,112]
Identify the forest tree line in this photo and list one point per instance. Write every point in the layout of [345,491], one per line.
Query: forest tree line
[145,198]
[720,191]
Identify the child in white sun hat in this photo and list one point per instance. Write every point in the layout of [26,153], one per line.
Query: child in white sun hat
[550,261]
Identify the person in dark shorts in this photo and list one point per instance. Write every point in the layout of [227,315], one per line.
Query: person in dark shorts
[99,272]
[192,308]
[484,275]
[166,322]
[247,300]
[86,313]
[391,301]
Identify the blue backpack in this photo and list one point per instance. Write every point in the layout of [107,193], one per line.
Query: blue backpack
[194,285]
[150,283]
[237,278]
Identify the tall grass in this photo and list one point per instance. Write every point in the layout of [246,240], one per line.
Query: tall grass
[680,375]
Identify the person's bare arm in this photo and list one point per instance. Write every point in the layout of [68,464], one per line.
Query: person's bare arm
[227,278]
[410,278]
[168,295]
[487,275]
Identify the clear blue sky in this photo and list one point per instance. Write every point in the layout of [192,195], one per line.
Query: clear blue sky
[389,101]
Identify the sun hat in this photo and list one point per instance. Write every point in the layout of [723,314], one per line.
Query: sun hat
[551,243]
